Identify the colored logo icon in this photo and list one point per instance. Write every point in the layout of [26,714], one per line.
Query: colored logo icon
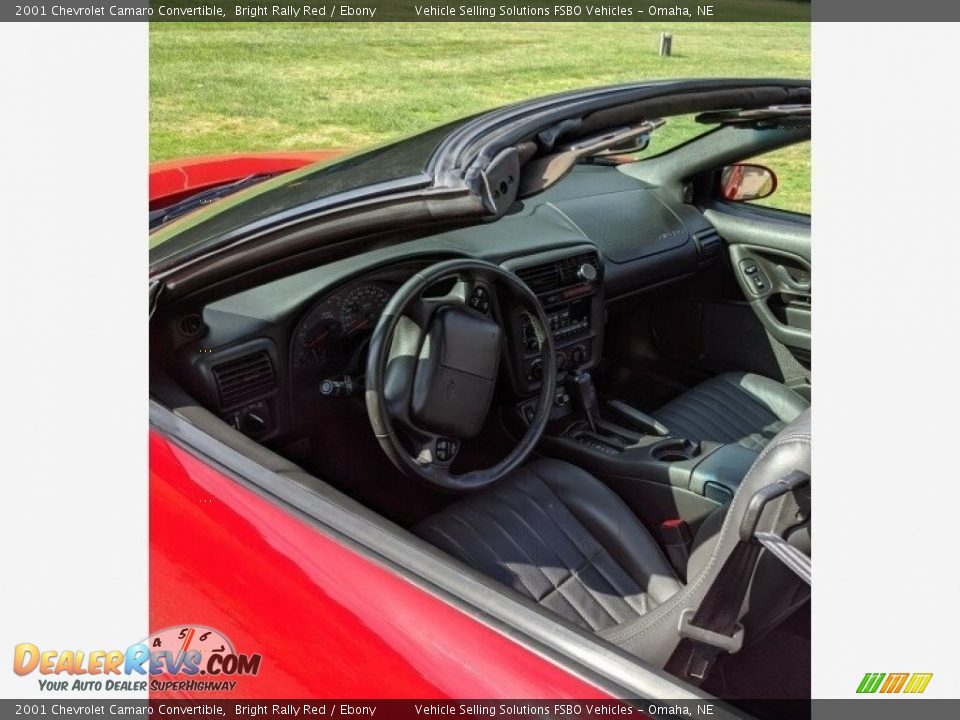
[912,683]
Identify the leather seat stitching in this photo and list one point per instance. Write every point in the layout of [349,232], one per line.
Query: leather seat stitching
[530,560]
[467,556]
[494,553]
[533,531]
[575,575]
[710,415]
[563,531]
[624,594]
[520,490]
[725,411]
[746,400]
[764,414]
[696,418]
[684,423]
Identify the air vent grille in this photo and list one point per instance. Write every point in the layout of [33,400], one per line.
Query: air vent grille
[567,268]
[245,378]
[552,276]
[540,278]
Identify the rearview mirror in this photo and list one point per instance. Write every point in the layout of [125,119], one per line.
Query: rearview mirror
[744,181]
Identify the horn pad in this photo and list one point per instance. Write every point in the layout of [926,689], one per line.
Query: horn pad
[456,373]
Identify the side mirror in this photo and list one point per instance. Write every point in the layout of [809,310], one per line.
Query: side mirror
[744,181]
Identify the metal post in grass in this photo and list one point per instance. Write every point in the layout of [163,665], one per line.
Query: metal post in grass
[666,44]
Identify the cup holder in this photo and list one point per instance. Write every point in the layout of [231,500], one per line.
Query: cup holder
[675,451]
[672,455]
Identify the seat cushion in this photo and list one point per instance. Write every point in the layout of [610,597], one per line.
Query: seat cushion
[555,533]
[733,408]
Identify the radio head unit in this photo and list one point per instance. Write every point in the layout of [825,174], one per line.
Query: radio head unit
[569,285]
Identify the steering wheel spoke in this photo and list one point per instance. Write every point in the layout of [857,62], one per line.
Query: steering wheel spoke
[422,309]
[469,291]
[436,450]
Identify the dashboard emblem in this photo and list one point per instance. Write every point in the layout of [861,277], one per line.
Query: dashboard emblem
[450,389]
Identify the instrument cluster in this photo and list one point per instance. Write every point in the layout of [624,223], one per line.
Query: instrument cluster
[331,339]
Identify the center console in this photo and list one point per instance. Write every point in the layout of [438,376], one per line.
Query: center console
[657,472]
[568,283]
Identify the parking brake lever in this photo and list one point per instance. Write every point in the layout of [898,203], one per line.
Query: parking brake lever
[586,395]
[636,419]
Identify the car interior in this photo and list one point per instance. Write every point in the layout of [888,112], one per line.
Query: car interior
[580,402]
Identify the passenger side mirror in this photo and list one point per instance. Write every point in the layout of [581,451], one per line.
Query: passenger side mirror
[745,181]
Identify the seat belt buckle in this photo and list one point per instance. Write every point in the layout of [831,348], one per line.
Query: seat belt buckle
[728,643]
[677,541]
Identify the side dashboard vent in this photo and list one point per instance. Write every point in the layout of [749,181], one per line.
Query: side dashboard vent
[245,378]
[709,245]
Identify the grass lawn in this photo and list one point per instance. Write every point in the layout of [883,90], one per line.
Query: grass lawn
[235,87]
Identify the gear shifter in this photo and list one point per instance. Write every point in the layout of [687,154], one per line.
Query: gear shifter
[586,395]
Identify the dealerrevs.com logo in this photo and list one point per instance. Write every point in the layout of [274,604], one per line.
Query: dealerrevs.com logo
[186,658]
[894,683]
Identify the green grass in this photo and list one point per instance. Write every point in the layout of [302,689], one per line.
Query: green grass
[235,87]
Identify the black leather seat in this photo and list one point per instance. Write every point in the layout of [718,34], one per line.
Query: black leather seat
[558,536]
[733,408]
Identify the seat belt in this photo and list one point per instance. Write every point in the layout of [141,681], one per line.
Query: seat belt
[715,626]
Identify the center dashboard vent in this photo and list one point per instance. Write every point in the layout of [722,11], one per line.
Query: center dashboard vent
[558,274]
[245,378]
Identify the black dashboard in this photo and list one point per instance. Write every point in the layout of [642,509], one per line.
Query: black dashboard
[266,359]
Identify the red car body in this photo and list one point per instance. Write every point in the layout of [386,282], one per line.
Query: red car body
[173,180]
[327,621]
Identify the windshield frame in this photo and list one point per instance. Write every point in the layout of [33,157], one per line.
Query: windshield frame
[446,161]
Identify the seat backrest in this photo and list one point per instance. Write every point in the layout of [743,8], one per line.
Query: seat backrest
[655,636]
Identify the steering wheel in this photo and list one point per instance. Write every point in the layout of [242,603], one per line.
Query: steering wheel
[433,365]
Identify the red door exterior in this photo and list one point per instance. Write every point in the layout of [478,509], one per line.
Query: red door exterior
[328,622]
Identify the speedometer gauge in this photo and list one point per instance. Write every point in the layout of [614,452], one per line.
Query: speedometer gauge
[362,307]
[331,333]
[320,334]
